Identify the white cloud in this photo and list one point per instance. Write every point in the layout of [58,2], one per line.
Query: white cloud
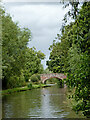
[44,21]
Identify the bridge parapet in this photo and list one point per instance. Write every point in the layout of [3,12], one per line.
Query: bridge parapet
[44,77]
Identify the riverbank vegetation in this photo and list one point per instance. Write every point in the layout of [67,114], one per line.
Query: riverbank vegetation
[19,62]
[25,88]
[71,55]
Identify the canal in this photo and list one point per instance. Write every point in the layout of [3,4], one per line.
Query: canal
[47,102]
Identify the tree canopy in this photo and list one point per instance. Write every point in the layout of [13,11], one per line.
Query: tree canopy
[19,62]
[71,55]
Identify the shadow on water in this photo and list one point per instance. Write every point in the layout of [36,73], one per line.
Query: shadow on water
[38,103]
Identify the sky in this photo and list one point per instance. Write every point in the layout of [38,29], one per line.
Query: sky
[43,19]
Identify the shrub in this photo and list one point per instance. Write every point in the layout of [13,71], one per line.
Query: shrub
[38,76]
[12,82]
[60,83]
[15,81]
[34,78]
[30,86]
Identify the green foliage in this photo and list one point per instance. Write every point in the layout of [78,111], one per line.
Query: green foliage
[40,55]
[38,76]
[79,62]
[34,78]
[60,83]
[33,63]
[72,56]
[18,61]
[14,44]
[30,85]
[47,71]
[52,81]
[19,89]
[58,56]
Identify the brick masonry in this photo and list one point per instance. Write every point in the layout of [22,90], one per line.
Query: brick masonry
[45,77]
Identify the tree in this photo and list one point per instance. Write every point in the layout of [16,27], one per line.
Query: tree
[14,44]
[18,61]
[78,59]
[72,56]
[33,63]
[58,56]
[46,71]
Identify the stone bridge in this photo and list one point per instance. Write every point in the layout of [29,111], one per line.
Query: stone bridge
[45,77]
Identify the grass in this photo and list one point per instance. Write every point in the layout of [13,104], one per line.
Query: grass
[25,88]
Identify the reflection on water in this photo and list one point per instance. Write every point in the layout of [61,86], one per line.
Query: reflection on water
[38,103]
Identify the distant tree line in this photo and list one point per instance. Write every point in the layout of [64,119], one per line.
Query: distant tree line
[71,55]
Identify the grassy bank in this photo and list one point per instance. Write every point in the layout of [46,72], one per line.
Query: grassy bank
[25,88]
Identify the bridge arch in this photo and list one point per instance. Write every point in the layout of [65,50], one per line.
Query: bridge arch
[45,77]
[50,78]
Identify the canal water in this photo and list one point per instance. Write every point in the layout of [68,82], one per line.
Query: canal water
[47,102]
